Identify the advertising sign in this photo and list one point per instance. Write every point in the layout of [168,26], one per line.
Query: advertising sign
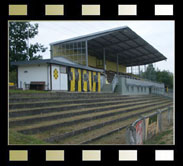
[139,133]
[152,126]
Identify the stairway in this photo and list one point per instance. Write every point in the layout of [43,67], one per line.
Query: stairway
[75,118]
[107,88]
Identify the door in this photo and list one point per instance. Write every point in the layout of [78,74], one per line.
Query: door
[63,81]
[55,77]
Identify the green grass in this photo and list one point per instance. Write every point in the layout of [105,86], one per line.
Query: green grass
[162,138]
[21,139]
[26,91]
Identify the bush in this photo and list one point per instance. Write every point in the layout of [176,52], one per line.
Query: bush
[13,77]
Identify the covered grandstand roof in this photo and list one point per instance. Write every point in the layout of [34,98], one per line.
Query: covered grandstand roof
[131,49]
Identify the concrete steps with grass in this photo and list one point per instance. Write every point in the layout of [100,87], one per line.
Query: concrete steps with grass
[78,120]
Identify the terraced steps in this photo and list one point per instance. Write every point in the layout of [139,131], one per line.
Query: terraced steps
[66,107]
[68,112]
[114,131]
[77,118]
[70,121]
[48,102]
[84,133]
[58,94]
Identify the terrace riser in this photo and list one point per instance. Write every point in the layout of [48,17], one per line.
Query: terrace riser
[50,127]
[90,128]
[61,108]
[60,102]
[54,117]
[50,98]
[73,94]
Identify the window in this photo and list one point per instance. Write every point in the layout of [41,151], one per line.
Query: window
[70,76]
[85,77]
[62,69]
[74,51]
[96,78]
[76,75]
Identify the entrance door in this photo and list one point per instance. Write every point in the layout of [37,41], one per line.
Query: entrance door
[55,77]
[63,81]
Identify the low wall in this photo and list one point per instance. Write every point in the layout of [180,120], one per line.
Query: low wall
[146,127]
[127,86]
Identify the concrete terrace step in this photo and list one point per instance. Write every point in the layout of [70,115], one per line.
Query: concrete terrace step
[102,133]
[82,134]
[58,108]
[21,99]
[114,136]
[78,118]
[73,101]
[63,114]
[60,102]
[41,127]
[59,94]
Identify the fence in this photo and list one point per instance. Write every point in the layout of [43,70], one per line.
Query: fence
[147,126]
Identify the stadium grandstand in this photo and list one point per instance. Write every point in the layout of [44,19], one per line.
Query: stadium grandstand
[89,97]
[91,63]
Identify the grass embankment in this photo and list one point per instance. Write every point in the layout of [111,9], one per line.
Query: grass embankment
[165,137]
[21,139]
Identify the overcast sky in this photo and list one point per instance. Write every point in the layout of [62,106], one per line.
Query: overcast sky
[160,34]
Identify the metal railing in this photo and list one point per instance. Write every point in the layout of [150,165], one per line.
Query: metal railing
[147,126]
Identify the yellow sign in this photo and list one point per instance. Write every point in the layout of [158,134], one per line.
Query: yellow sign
[55,74]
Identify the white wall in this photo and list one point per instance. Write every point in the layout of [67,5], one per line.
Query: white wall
[41,73]
[26,74]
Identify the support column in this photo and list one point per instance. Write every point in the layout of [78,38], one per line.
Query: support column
[117,65]
[104,59]
[139,70]
[86,53]
[144,68]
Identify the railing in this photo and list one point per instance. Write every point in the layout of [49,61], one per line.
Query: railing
[147,126]
[114,82]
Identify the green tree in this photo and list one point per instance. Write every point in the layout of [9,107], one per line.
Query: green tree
[150,73]
[19,34]
[164,76]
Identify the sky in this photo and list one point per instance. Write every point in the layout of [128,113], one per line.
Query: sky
[160,34]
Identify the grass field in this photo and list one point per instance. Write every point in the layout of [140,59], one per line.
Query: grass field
[21,139]
[165,137]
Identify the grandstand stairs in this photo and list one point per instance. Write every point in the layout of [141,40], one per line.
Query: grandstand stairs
[78,118]
[107,88]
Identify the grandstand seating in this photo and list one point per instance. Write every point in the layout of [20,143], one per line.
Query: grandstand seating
[110,75]
[75,118]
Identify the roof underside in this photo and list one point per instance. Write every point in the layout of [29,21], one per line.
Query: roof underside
[130,48]
[52,61]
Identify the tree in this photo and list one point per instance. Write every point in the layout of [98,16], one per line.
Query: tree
[19,34]
[150,73]
[164,76]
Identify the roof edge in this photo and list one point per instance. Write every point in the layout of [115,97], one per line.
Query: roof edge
[84,37]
